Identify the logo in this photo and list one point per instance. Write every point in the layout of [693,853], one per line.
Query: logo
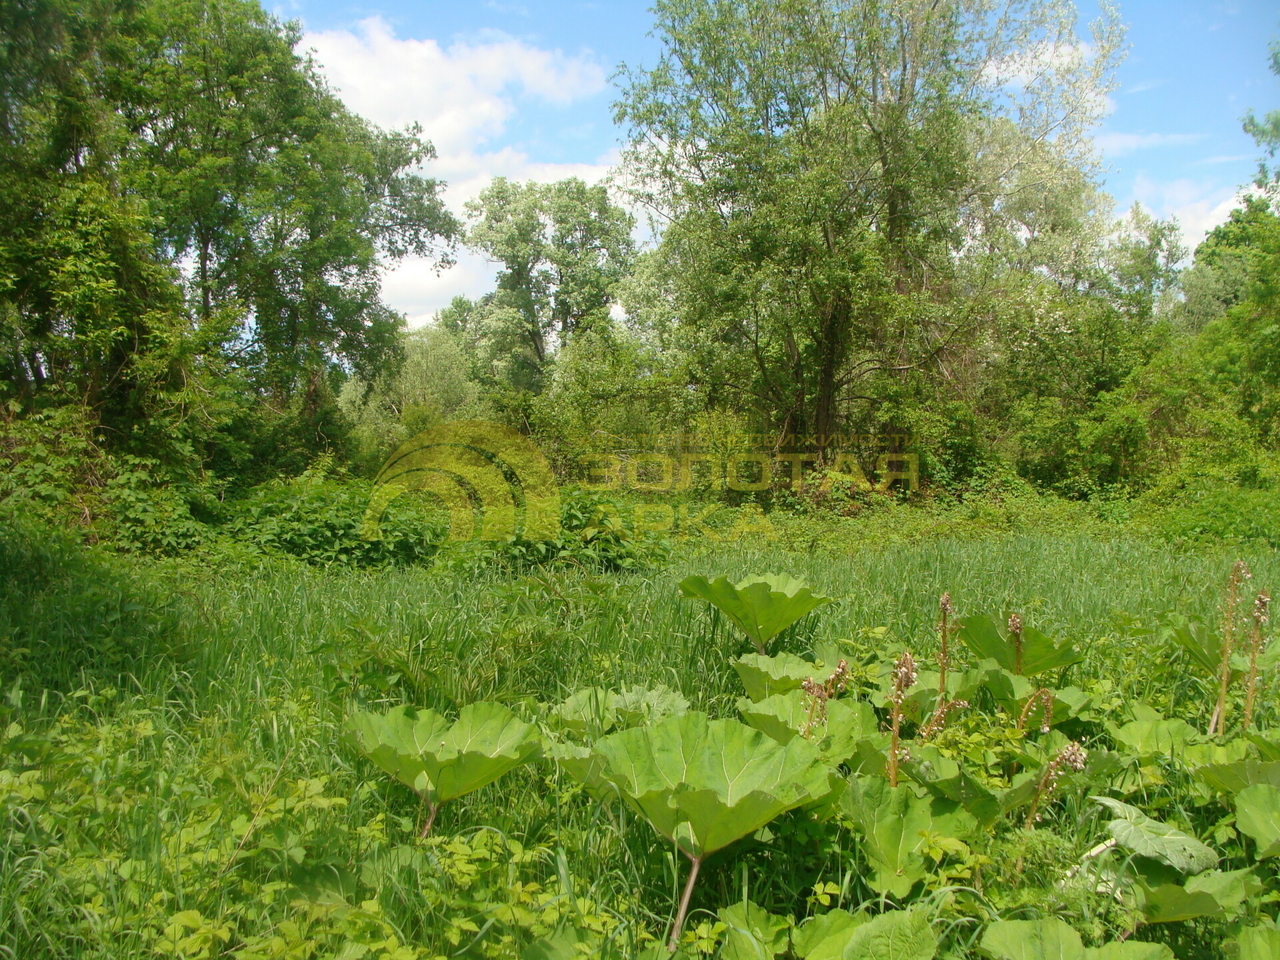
[495,483]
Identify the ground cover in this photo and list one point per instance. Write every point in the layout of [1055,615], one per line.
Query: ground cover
[208,799]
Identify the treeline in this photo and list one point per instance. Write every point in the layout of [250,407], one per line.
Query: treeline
[867,219]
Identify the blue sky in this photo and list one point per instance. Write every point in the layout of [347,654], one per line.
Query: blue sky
[522,89]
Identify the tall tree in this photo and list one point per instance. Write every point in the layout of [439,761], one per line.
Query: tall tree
[816,164]
[285,204]
[563,248]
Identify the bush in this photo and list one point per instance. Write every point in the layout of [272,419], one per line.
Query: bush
[66,609]
[319,521]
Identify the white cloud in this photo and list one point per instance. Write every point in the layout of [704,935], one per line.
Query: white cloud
[1118,144]
[463,95]
[1199,206]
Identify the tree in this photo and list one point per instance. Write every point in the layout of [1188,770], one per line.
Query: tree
[818,167]
[563,248]
[286,204]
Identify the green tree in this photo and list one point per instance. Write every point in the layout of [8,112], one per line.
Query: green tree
[286,204]
[563,248]
[827,168]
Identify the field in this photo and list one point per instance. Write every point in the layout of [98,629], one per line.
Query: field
[204,802]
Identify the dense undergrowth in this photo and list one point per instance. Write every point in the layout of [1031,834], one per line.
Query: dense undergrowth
[177,780]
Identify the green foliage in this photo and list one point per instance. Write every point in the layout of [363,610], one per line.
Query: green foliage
[319,521]
[1026,653]
[760,606]
[66,614]
[1054,940]
[440,761]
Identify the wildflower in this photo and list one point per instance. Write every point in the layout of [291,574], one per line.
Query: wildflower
[904,674]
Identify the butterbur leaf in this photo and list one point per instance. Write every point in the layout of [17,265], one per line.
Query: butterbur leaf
[836,730]
[824,937]
[761,607]
[1259,943]
[442,761]
[1258,816]
[752,933]
[1201,644]
[765,677]
[1039,652]
[1155,738]
[1137,832]
[1053,939]
[637,705]
[897,935]
[1171,903]
[1229,888]
[1234,777]
[706,783]
[395,741]
[591,711]
[895,824]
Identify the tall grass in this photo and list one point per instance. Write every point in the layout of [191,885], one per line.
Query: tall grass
[264,665]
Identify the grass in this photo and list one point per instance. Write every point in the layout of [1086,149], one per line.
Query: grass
[243,702]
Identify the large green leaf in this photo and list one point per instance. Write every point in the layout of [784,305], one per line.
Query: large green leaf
[1234,777]
[1137,832]
[1172,903]
[986,638]
[836,730]
[752,933]
[894,823]
[706,783]
[897,935]
[1259,943]
[764,677]
[1155,738]
[1258,816]
[443,761]
[762,607]
[825,936]
[1053,939]
[1202,645]
[395,741]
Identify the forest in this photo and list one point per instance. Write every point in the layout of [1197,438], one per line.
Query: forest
[892,574]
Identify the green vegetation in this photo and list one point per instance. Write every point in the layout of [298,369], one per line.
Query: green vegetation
[203,791]
[1022,708]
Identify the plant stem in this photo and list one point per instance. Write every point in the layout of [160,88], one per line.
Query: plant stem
[677,925]
[432,810]
[1255,648]
[1239,573]
[893,746]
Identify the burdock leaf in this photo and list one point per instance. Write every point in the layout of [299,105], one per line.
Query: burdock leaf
[762,607]
[439,761]
[765,677]
[1258,816]
[986,638]
[1053,939]
[1137,832]
[395,741]
[706,783]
